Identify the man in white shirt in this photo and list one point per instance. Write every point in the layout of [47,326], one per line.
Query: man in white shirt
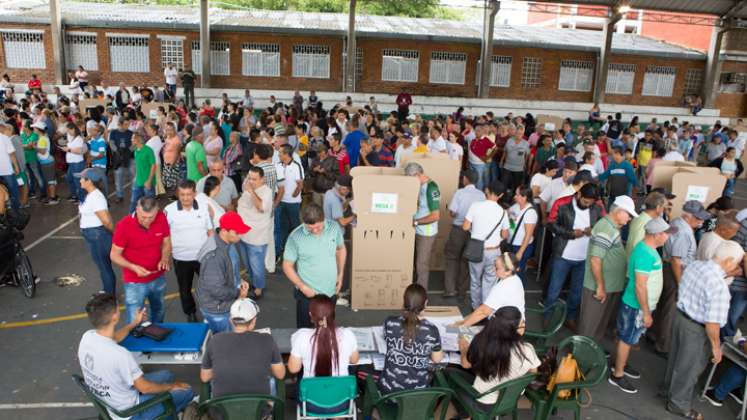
[255,208]
[154,142]
[406,148]
[456,266]
[288,198]
[110,370]
[737,142]
[248,100]
[170,73]
[190,226]
[228,196]
[436,143]
[9,168]
[558,187]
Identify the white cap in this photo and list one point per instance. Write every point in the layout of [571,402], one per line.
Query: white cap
[40,125]
[626,203]
[244,310]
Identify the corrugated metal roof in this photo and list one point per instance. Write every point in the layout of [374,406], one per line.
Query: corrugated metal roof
[708,7]
[183,17]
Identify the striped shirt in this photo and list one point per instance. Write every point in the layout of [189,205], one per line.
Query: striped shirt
[271,177]
[703,293]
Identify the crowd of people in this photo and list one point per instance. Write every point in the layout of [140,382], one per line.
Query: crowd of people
[270,187]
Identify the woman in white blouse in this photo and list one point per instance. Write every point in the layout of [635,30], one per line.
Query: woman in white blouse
[74,149]
[525,219]
[96,225]
[207,196]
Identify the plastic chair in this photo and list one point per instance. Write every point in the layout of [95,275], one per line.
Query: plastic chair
[327,392]
[164,399]
[242,406]
[547,326]
[509,393]
[416,404]
[592,364]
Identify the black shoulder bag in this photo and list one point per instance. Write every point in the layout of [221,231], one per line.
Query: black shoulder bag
[475,248]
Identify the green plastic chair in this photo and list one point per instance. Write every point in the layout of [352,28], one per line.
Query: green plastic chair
[242,406]
[164,399]
[539,335]
[509,393]
[416,404]
[327,392]
[591,362]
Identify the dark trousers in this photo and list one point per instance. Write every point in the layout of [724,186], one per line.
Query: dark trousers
[303,320]
[687,359]
[661,330]
[596,316]
[456,275]
[512,180]
[185,273]
[189,96]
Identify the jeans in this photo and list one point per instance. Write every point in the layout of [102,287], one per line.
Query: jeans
[482,277]
[36,180]
[181,397]
[732,379]
[73,182]
[729,189]
[482,175]
[560,269]
[736,309]
[287,218]
[99,241]
[523,262]
[494,171]
[119,177]
[216,322]
[12,183]
[254,258]
[154,291]
[137,193]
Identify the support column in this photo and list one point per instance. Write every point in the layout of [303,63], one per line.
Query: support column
[486,56]
[600,80]
[204,44]
[350,68]
[55,23]
[713,68]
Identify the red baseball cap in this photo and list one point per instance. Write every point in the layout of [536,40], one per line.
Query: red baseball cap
[232,221]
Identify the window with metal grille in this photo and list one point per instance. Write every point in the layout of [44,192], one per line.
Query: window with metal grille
[311,61]
[260,59]
[220,53]
[620,78]
[576,75]
[24,50]
[80,50]
[659,81]
[500,71]
[358,61]
[172,51]
[693,81]
[531,72]
[129,54]
[448,67]
[400,65]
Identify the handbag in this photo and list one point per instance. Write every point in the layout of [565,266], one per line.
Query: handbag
[506,246]
[475,248]
[568,371]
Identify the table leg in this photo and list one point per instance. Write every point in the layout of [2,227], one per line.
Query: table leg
[708,381]
[744,401]
[541,254]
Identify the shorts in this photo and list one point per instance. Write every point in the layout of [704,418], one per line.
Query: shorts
[48,172]
[630,325]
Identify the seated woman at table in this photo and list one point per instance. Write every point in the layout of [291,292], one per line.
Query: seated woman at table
[507,291]
[412,345]
[496,355]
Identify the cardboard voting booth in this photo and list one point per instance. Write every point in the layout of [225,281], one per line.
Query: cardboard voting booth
[383,238]
[689,183]
[85,104]
[550,122]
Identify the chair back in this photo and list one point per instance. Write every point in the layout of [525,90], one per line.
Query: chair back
[416,404]
[101,406]
[242,407]
[327,392]
[509,394]
[556,318]
[589,356]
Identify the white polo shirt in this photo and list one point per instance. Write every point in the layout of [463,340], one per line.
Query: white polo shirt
[288,177]
[189,229]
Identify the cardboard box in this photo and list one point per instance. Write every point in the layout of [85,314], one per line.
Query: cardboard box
[700,184]
[550,122]
[151,108]
[383,238]
[84,104]
[664,171]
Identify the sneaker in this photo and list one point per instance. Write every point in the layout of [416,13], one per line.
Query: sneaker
[737,395]
[710,396]
[541,303]
[53,201]
[72,199]
[341,301]
[628,371]
[623,384]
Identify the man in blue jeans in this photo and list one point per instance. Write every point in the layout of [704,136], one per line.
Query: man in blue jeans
[730,381]
[9,168]
[110,370]
[290,176]
[145,171]
[572,231]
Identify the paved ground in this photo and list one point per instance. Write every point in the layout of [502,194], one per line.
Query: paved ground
[37,360]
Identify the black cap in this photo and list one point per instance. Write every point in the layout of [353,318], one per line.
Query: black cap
[345,181]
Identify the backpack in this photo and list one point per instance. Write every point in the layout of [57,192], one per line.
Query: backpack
[566,372]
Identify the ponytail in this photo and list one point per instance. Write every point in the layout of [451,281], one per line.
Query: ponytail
[414,303]
[324,348]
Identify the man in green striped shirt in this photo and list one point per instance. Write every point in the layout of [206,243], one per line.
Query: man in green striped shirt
[426,221]
[314,260]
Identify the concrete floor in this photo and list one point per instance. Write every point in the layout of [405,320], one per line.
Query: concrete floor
[38,360]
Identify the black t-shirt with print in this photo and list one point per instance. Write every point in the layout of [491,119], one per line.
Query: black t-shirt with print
[408,366]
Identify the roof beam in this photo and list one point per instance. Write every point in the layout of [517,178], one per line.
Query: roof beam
[738,7]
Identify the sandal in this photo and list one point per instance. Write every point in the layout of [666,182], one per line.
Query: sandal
[691,415]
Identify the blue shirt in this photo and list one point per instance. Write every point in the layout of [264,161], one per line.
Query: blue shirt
[623,168]
[352,144]
[97,150]
[121,139]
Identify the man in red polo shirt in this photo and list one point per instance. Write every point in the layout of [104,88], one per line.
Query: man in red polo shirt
[142,247]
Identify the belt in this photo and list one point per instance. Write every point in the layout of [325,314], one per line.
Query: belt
[492,247]
[689,318]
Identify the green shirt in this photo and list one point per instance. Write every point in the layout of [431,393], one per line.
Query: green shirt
[29,154]
[195,153]
[144,161]
[644,260]
[429,201]
[636,231]
[606,244]
[315,256]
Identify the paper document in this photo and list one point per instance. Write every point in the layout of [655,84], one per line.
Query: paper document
[364,337]
[449,337]
[378,333]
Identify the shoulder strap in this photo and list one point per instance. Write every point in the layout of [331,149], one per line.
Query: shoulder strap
[496,226]
[518,225]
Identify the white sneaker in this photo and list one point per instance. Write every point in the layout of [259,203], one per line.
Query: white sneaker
[341,301]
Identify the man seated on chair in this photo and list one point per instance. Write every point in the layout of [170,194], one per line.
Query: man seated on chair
[243,361]
[110,370]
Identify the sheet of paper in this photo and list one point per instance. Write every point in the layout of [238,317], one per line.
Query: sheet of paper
[449,337]
[378,361]
[697,193]
[365,359]
[264,330]
[365,339]
[378,333]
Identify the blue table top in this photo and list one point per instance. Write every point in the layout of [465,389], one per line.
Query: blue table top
[185,337]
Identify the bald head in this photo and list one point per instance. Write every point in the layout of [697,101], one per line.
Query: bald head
[216,168]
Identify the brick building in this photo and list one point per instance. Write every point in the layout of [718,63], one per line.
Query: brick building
[288,50]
